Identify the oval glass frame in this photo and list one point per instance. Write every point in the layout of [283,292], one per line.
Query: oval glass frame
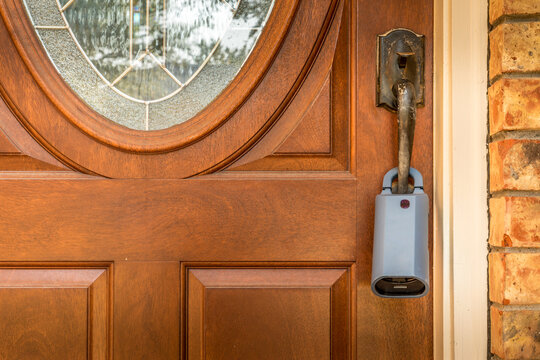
[200,125]
[298,37]
[141,78]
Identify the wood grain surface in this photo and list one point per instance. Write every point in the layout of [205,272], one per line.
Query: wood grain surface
[147,310]
[312,135]
[54,312]
[206,241]
[403,328]
[294,309]
[267,84]
[211,220]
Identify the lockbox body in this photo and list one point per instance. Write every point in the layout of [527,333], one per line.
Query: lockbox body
[400,249]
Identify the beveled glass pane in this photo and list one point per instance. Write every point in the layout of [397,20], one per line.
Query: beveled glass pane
[45,13]
[172,57]
[102,30]
[147,80]
[227,59]
[251,14]
[194,29]
[87,83]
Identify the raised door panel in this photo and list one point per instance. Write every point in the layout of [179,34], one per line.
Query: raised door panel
[18,150]
[323,110]
[43,323]
[54,313]
[11,157]
[312,135]
[6,145]
[267,314]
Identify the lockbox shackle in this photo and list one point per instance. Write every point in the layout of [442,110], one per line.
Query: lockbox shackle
[393,173]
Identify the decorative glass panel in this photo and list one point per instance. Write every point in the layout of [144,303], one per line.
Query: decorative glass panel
[148,64]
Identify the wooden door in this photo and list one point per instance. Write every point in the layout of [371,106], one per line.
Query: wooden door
[244,232]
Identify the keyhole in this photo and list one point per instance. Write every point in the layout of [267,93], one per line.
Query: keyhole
[403,57]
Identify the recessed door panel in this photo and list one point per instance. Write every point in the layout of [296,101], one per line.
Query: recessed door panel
[280,313]
[54,313]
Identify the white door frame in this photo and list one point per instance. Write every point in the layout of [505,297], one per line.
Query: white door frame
[460,179]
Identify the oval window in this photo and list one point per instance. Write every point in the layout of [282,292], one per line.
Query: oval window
[148,64]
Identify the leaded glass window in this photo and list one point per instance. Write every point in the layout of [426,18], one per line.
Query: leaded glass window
[148,64]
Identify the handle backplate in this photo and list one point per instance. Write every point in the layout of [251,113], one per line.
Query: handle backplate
[400,56]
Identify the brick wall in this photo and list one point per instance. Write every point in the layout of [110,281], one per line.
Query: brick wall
[514,167]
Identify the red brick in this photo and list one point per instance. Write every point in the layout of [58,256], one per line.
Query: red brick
[515,334]
[514,221]
[497,8]
[514,165]
[514,104]
[514,278]
[514,47]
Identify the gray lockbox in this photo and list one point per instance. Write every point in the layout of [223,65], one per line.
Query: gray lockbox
[400,245]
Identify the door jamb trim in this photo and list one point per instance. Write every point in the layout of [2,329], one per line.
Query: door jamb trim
[460,180]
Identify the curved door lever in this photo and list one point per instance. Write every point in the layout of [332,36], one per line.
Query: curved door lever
[400,89]
[406,112]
